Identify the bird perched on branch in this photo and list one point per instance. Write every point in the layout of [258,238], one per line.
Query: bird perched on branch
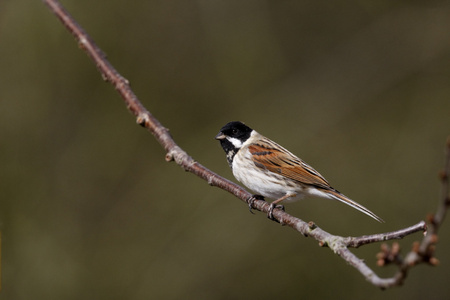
[272,171]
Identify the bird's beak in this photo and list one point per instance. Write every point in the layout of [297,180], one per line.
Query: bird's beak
[220,136]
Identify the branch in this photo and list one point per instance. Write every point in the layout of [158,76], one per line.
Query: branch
[356,242]
[422,252]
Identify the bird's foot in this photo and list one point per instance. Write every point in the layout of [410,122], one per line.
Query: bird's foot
[252,199]
[272,206]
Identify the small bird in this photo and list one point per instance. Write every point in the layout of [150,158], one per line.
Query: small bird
[272,171]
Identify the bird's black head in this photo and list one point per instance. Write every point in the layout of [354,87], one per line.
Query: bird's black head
[231,138]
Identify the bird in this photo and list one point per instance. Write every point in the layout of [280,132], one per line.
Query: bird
[273,172]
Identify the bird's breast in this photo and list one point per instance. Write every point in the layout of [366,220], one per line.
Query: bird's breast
[262,181]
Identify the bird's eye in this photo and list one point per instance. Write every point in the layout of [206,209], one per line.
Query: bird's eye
[234,131]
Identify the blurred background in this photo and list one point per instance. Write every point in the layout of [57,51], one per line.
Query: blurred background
[89,209]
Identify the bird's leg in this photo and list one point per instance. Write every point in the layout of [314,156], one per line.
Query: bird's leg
[274,205]
[252,199]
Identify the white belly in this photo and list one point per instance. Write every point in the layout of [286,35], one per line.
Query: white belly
[263,182]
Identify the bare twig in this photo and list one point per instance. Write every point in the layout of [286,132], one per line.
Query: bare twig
[356,242]
[340,245]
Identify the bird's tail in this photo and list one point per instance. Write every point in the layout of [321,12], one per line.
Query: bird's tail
[344,199]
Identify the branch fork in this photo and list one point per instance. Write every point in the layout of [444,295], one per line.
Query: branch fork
[422,251]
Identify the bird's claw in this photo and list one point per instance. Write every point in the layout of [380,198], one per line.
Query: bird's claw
[272,206]
[252,199]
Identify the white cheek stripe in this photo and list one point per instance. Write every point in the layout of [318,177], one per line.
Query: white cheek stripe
[236,143]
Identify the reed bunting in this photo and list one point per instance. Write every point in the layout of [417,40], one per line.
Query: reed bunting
[272,171]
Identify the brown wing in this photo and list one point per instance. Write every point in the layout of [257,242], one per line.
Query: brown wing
[271,156]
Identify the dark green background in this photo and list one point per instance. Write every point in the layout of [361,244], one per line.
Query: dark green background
[89,209]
